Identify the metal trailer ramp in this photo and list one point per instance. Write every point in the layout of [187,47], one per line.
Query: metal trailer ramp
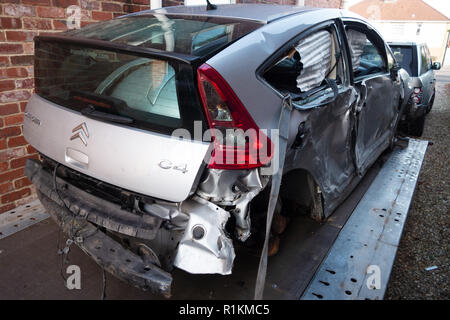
[344,245]
[360,261]
[21,218]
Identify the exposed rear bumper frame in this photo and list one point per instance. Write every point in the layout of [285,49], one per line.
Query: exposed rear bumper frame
[108,253]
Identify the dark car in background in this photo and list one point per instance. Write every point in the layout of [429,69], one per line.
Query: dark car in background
[415,58]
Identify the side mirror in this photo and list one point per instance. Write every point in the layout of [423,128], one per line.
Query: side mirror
[394,71]
[436,66]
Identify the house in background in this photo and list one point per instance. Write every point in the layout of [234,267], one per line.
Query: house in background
[408,20]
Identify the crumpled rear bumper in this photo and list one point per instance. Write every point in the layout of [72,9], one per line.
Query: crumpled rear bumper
[108,253]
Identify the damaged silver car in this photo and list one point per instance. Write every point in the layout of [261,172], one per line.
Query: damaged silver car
[159,132]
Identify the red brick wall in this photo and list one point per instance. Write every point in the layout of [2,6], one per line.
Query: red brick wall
[20,21]
[169,3]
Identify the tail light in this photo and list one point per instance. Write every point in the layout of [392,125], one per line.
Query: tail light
[238,142]
[416,96]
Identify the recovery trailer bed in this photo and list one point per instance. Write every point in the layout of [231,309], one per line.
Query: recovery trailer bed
[341,258]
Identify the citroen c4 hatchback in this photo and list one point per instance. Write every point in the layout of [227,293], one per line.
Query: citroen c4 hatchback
[159,132]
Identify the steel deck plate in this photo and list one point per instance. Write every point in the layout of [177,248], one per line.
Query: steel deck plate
[364,252]
[21,217]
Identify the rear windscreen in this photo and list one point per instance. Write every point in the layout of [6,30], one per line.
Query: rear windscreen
[148,93]
[193,35]
[140,91]
[404,56]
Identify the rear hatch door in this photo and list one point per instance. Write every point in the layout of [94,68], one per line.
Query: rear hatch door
[110,115]
[110,96]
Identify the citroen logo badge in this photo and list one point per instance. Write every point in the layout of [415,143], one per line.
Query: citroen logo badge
[80,132]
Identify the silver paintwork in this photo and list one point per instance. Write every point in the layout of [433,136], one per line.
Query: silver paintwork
[32,118]
[372,234]
[255,182]
[257,12]
[214,253]
[120,155]
[224,188]
[168,211]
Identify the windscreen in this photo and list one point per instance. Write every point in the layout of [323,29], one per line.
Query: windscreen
[404,56]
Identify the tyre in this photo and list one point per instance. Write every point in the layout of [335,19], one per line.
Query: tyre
[415,127]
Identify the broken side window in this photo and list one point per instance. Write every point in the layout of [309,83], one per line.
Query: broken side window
[357,42]
[315,55]
[307,64]
[367,58]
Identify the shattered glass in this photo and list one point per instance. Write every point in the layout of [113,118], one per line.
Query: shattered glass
[356,41]
[315,55]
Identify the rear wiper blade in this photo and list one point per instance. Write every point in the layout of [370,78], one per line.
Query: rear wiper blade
[99,115]
[99,100]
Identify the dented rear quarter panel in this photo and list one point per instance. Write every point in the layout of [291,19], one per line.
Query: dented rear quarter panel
[238,63]
[328,150]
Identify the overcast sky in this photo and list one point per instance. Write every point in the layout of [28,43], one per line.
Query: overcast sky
[441,5]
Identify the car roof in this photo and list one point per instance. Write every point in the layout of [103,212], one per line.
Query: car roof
[258,12]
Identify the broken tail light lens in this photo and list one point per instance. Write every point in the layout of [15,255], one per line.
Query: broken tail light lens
[238,142]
